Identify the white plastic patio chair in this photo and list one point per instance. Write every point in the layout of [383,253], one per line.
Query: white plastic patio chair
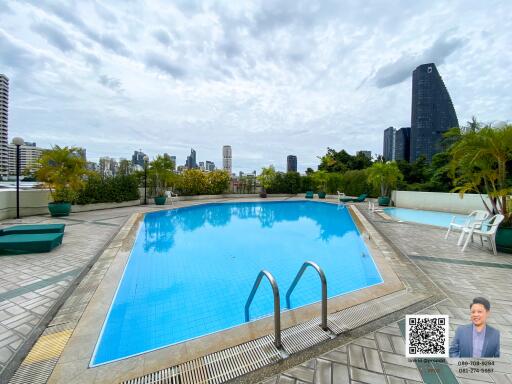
[340,195]
[172,196]
[489,232]
[475,219]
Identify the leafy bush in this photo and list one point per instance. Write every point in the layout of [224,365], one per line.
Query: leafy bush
[355,183]
[107,190]
[217,182]
[192,182]
[334,183]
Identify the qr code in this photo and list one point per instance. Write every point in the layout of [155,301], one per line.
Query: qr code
[426,336]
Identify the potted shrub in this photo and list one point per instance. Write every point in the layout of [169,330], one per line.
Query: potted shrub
[384,176]
[61,170]
[160,173]
[320,178]
[479,159]
[266,178]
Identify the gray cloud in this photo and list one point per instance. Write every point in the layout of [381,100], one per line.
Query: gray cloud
[401,69]
[54,36]
[162,36]
[110,82]
[105,13]
[69,15]
[162,63]
[16,56]
[114,44]
[92,59]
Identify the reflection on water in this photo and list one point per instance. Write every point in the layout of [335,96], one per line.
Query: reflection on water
[161,227]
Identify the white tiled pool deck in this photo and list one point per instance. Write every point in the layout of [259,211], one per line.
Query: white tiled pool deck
[32,287]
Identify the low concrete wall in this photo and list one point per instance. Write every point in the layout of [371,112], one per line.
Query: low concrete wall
[438,201]
[32,202]
[35,202]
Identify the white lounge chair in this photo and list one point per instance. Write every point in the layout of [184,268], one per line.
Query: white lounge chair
[475,219]
[488,230]
[172,196]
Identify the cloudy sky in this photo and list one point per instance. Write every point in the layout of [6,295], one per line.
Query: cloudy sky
[270,78]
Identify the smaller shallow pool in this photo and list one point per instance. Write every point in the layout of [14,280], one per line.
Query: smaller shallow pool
[440,219]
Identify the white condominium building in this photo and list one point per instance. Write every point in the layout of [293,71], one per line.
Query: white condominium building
[226,158]
[4,114]
[29,154]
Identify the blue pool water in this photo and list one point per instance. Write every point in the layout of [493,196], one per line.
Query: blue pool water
[441,219]
[191,269]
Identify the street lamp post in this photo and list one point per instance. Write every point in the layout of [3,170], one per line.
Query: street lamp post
[18,141]
[146,158]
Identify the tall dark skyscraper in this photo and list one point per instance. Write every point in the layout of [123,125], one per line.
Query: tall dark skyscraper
[432,112]
[291,163]
[403,144]
[388,151]
[191,162]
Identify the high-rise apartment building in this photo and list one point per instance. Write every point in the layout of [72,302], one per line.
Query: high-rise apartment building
[210,166]
[29,154]
[403,144]
[291,163]
[432,112]
[173,159]
[138,158]
[227,158]
[191,162]
[388,151]
[4,117]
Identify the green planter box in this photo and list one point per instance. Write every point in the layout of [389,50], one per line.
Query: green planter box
[160,200]
[504,239]
[59,209]
[321,195]
[384,201]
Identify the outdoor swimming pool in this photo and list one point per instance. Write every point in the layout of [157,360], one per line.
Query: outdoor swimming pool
[440,219]
[191,270]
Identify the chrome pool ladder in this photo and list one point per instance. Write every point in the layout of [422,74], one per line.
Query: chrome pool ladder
[324,289]
[277,304]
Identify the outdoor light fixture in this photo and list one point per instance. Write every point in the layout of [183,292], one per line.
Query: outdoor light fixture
[146,158]
[18,141]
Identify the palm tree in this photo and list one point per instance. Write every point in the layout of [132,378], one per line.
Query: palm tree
[62,170]
[479,164]
[384,176]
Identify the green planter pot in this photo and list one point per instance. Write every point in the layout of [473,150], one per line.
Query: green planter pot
[321,195]
[160,200]
[384,201]
[59,209]
[504,239]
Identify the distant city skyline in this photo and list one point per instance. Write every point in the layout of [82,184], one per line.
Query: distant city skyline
[269,78]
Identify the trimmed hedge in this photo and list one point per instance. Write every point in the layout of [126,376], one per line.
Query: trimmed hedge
[108,190]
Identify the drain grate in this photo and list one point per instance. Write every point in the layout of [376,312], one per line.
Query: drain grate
[303,336]
[358,315]
[217,367]
[230,363]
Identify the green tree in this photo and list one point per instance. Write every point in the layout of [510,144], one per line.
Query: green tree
[267,177]
[479,164]
[217,181]
[384,176]
[160,173]
[62,171]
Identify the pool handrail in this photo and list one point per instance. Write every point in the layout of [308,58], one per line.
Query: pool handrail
[324,289]
[277,304]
